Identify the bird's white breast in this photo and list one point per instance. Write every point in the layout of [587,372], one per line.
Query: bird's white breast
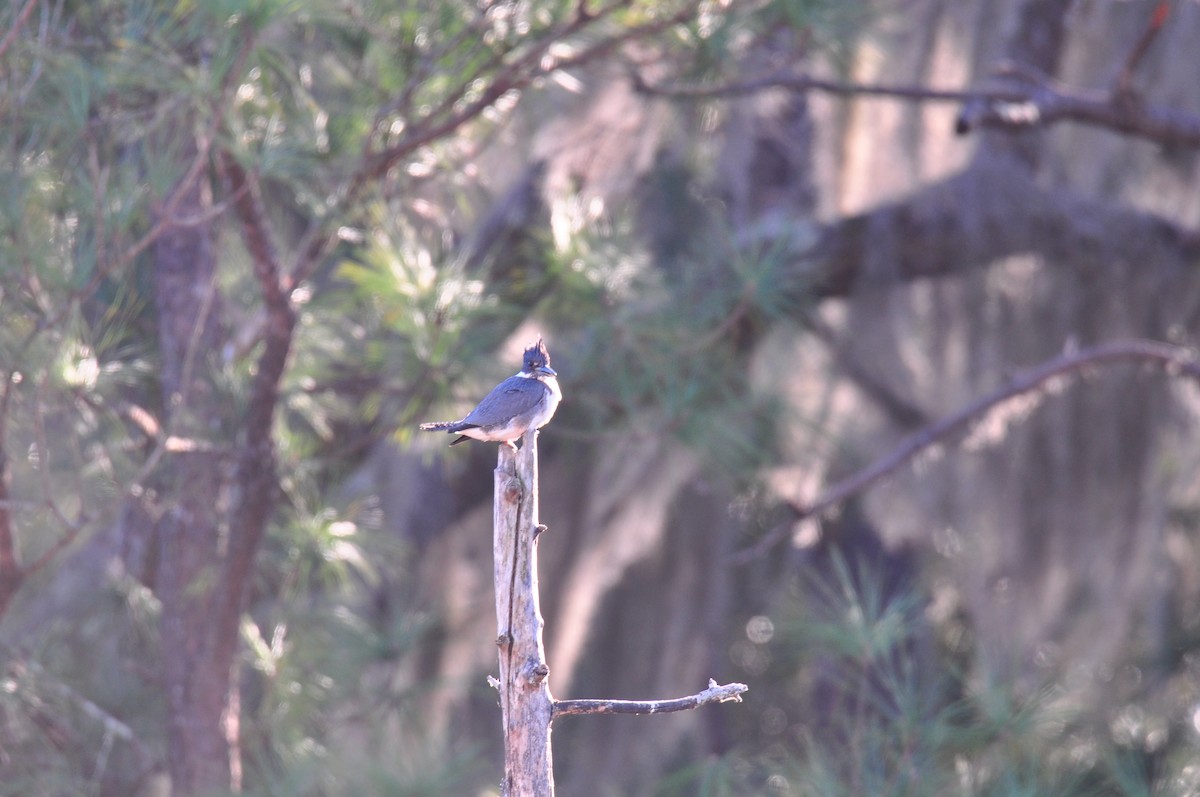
[545,410]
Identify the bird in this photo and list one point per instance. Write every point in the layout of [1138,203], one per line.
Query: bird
[516,405]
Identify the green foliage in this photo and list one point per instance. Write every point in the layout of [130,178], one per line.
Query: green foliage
[70,724]
[668,349]
[714,45]
[852,698]
[354,118]
[103,103]
[326,694]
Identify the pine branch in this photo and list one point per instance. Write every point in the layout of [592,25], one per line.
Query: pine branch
[512,70]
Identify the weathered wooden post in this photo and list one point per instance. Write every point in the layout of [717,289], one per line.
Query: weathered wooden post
[527,401]
[525,702]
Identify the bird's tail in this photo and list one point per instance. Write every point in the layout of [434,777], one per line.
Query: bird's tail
[437,426]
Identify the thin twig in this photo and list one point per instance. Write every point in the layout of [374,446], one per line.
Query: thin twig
[715,693]
[1175,360]
[803,83]
[1124,83]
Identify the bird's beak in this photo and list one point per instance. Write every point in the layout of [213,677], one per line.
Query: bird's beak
[545,369]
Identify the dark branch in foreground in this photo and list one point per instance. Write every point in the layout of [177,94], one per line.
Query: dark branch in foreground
[1175,360]
[715,693]
[974,218]
[1030,99]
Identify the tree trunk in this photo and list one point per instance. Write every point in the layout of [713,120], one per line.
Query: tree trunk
[525,702]
[187,497]
[195,673]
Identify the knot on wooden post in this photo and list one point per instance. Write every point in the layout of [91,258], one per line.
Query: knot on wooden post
[513,489]
[534,671]
[504,640]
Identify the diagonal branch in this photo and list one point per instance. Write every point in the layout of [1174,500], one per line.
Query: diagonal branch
[715,693]
[1175,360]
[256,460]
[521,69]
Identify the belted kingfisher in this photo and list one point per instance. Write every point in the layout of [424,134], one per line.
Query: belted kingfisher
[516,405]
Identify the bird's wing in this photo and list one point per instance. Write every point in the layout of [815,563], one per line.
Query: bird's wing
[508,399]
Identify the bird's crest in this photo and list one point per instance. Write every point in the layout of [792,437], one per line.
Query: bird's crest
[536,356]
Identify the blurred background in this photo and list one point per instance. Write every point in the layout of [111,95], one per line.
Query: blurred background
[247,245]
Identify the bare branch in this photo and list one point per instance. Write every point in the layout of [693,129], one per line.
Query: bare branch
[1175,360]
[1034,101]
[1047,102]
[805,83]
[715,693]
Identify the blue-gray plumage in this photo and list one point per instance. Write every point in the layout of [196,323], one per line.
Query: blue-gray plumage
[516,405]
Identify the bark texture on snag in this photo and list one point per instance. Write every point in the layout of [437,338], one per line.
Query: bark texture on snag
[715,693]
[525,702]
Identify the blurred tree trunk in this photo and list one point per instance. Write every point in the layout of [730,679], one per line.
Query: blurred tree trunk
[217,485]
[197,652]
